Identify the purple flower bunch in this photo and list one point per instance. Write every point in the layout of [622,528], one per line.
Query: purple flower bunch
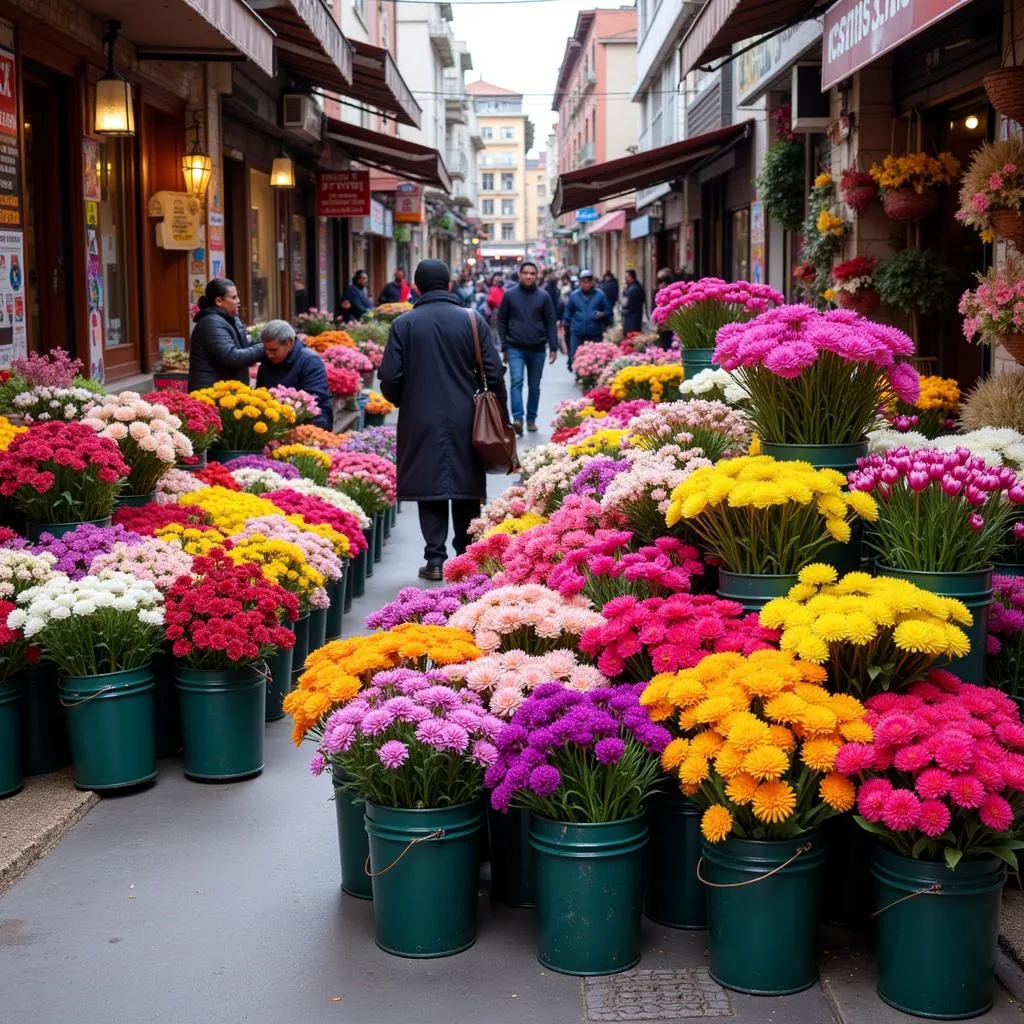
[381,441]
[56,369]
[1004,667]
[429,607]
[76,550]
[593,479]
[285,469]
[578,757]
[410,739]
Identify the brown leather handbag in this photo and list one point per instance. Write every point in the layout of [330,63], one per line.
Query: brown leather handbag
[494,441]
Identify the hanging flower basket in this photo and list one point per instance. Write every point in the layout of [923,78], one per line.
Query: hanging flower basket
[864,302]
[1005,89]
[1009,224]
[906,204]
[859,197]
[1014,344]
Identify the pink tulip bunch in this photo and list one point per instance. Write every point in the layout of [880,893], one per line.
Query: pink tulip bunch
[697,310]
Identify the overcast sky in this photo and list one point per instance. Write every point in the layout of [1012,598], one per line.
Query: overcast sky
[520,46]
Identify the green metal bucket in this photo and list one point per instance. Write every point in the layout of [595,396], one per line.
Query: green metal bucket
[369,534]
[134,500]
[848,886]
[695,360]
[511,858]
[353,844]
[227,454]
[44,730]
[674,897]
[386,520]
[424,869]
[378,536]
[1007,569]
[11,779]
[362,568]
[393,514]
[840,457]
[110,725]
[752,591]
[763,909]
[974,589]
[336,609]
[166,720]
[350,575]
[317,630]
[589,890]
[936,951]
[34,530]
[222,715]
[373,419]
[279,683]
[301,649]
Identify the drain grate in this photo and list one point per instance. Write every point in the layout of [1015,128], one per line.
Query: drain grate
[646,996]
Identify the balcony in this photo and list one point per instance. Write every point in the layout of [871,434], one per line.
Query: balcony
[588,81]
[457,163]
[443,40]
[587,155]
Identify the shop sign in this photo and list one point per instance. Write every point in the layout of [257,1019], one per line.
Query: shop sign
[640,227]
[13,335]
[586,215]
[343,193]
[760,66]
[858,32]
[374,223]
[408,203]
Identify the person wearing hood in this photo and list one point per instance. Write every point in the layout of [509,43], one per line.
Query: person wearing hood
[288,363]
[219,348]
[430,372]
[355,300]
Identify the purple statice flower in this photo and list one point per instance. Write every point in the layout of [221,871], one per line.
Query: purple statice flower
[609,750]
[76,550]
[317,763]
[593,480]
[429,607]
[545,780]
[393,754]
[382,441]
[285,469]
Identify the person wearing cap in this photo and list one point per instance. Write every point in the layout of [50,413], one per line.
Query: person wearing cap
[587,314]
[430,372]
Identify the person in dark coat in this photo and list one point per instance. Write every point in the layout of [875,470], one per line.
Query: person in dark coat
[633,302]
[288,363]
[219,348]
[396,290]
[586,315]
[355,300]
[610,286]
[429,371]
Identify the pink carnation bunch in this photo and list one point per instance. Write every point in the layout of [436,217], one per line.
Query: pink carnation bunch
[174,483]
[302,403]
[344,357]
[711,426]
[510,504]
[160,562]
[1004,667]
[696,310]
[484,556]
[620,415]
[591,358]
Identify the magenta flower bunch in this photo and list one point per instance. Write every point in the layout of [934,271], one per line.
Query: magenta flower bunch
[943,777]
[697,310]
[410,740]
[347,358]
[432,607]
[591,358]
[938,511]
[794,361]
[1004,667]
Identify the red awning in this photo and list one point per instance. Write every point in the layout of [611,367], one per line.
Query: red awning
[598,182]
[377,82]
[614,221]
[408,160]
[309,41]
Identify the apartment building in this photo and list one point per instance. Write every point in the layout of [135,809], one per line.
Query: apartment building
[537,212]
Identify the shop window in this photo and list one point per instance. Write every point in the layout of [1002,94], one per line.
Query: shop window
[263,250]
[740,245]
[111,241]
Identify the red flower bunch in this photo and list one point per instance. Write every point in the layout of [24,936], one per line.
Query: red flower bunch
[228,616]
[13,645]
[859,189]
[200,422]
[943,775]
[145,520]
[316,510]
[859,266]
[343,383]
[640,639]
[483,556]
[62,473]
[216,475]
[564,434]
[602,398]
[7,534]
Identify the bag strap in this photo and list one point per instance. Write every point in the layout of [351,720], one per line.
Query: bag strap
[476,346]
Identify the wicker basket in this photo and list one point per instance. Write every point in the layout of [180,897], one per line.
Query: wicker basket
[863,302]
[1014,344]
[1009,225]
[859,197]
[1005,89]
[906,204]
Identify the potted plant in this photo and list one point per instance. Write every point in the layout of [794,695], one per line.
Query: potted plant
[992,311]
[313,322]
[344,385]
[199,423]
[780,182]
[992,193]
[376,409]
[583,765]
[859,190]
[917,281]
[345,357]
[910,184]
[326,340]
[853,285]
[250,418]
[939,789]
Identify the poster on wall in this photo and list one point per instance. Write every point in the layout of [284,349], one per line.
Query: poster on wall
[322,263]
[94,290]
[13,335]
[757,238]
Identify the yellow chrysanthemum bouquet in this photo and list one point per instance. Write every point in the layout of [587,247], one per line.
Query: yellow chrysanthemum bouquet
[603,442]
[312,463]
[874,633]
[658,383]
[761,516]
[933,413]
[755,742]
[250,417]
[285,564]
[517,525]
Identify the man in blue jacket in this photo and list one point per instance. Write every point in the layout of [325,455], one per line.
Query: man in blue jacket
[288,363]
[526,324]
[587,314]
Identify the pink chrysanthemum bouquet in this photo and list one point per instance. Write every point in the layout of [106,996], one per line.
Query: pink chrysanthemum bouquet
[696,310]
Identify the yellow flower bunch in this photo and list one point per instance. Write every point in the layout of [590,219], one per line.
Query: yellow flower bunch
[916,171]
[755,742]
[230,510]
[517,525]
[250,417]
[822,180]
[590,412]
[939,393]
[829,224]
[312,463]
[604,442]
[760,515]
[283,563]
[337,671]
[378,405]
[338,539]
[875,632]
[657,383]
[193,540]
[8,432]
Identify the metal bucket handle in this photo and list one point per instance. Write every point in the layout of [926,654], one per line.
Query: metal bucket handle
[800,851]
[85,700]
[438,833]
[935,889]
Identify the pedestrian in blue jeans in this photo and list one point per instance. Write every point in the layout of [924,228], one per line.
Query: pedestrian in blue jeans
[526,325]
[587,314]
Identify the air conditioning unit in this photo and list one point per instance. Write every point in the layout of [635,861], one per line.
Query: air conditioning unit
[811,107]
[302,117]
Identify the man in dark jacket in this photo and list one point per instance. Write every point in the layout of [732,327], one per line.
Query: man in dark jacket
[396,290]
[610,286]
[587,314]
[288,363]
[633,302]
[526,324]
[355,300]
[219,348]
[429,371]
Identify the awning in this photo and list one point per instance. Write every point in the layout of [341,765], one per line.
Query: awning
[408,160]
[190,30]
[309,41]
[723,23]
[378,83]
[614,221]
[598,182]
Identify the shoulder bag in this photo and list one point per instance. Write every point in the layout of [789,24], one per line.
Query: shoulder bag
[494,441]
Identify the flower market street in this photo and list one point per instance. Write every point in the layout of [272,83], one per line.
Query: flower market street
[193,904]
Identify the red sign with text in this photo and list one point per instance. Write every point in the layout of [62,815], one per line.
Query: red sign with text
[343,194]
[859,31]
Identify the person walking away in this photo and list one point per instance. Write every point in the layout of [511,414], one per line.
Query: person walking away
[664,277]
[355,300]
[495,295]
[396,290]
[480,303]
[587,313]
[557,302]
[288,363]
[633,302]
[430,372]
[465,291]
[219,348]
[610,286]
[526,326]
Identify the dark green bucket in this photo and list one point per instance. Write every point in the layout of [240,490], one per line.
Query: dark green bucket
[44,730]
[222,716]
[393,515]
[589,890]
[317,630]
[848,887]
[279,685]
[936,951]
[1007,569]
[110,725]
[761,933]
[350,575]
[386,520]
[424,871]
[674,896]
[336,609]
[301,649]
[511,857]
[34,530]
[378,536]
[361,571]
[974,589]
[227,454]
[353,844]
[134,500]
[369,534]
[753,591]
[166,720]
[840,457]
[11,779]
[697,359]
[373,419]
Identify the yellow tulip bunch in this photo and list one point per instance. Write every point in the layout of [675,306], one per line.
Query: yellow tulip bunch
[604,442]
[517,525]
[659,383]
[915,171]
[250,417]
[755,743]
[875,633]
[285,564]
[760,515]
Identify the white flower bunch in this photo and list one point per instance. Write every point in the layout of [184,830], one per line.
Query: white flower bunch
[998,446]
[332,497]
[259,481]
[174,483]
[44,403]
[539,456]
[20,570]
[883,439]
[713,384]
